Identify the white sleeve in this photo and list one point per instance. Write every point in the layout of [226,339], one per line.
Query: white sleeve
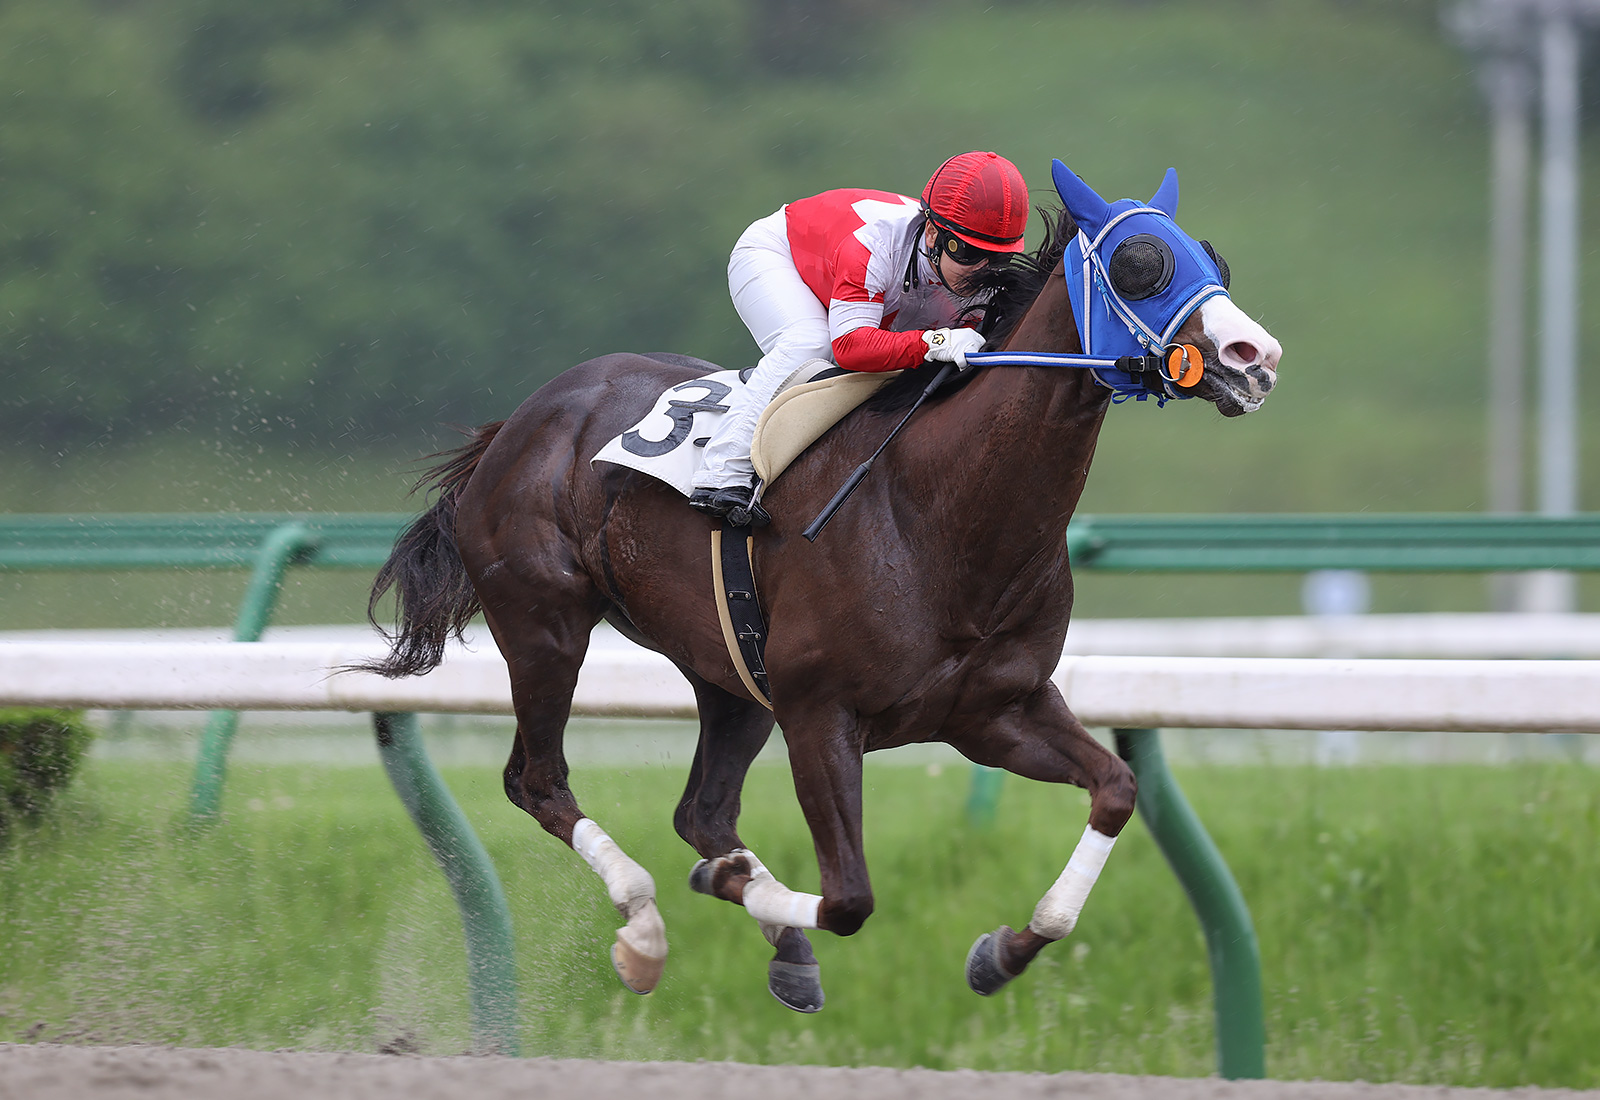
[846,317]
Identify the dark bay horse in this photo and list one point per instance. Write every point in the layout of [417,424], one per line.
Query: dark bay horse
[934,608]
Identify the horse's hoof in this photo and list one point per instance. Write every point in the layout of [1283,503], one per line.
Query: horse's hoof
[796,985]
[639,972]
[700,877]
[984,973]
[640,953]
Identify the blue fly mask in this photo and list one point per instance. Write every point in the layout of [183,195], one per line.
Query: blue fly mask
[1134,278]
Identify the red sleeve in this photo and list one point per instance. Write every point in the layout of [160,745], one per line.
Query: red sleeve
[875,349]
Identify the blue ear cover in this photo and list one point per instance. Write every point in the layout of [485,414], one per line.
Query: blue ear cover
[1189,274]
[1166,196]
[1085,205]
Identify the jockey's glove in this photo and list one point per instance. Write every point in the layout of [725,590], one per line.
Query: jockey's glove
[951,345]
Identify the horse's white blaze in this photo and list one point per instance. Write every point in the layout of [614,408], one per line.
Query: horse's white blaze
[629,886]
[1057,912]
[1247,352]
[772,903]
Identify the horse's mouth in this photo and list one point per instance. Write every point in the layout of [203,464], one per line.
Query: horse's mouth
[1236,392]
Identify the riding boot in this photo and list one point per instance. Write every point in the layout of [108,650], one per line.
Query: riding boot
[732,503]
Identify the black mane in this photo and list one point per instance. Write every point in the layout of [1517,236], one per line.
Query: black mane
[1011,288]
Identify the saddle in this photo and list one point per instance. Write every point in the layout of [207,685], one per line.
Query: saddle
[799,416]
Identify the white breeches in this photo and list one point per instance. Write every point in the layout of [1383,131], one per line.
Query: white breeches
[789,325]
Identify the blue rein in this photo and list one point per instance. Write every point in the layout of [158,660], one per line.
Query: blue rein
[1130,376]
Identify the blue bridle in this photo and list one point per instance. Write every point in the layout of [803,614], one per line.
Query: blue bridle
[1125,341]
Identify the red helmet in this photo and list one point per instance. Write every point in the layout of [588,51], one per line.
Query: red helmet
[980,198]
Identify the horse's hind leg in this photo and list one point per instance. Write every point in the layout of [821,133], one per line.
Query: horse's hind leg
[542,628]
[732,732]
[1041,739]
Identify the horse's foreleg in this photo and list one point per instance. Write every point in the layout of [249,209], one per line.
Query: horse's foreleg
[793,974]
[732,733]
[827,780]
[1041,739]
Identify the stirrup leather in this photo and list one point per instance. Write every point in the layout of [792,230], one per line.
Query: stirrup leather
[744,629]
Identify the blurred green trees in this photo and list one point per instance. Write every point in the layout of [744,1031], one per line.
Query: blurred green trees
[353,211]
[351,219]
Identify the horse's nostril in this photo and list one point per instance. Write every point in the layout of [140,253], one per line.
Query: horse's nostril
[1242,353]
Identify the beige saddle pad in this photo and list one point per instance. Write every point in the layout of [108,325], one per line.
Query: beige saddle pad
[797,417]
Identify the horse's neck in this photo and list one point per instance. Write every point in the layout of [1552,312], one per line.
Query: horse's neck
[997,472]
[1008,458]
[1048,324]
[1059,408]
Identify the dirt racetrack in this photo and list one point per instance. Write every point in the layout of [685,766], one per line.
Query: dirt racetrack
[48,1072]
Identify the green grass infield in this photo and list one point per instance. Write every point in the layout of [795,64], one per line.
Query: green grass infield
[1422,924]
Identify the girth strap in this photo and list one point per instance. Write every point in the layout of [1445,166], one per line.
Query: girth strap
[744,629]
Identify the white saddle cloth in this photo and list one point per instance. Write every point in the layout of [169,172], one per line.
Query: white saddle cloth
[669,442]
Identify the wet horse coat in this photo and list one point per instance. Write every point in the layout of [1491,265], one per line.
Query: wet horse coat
[933,609]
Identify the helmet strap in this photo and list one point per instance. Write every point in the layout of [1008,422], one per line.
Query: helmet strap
[917,246]
[935,251]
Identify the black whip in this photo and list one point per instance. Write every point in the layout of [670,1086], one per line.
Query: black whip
[816,525]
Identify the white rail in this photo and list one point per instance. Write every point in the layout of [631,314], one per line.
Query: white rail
[1453,635]
[1437,634]
[1205,692]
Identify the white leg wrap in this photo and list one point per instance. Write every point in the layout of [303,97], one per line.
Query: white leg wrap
[1057,912]
[641,947]
[629,884]
[773,904]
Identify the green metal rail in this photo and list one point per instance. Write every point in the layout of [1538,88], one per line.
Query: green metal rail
[1445,542]
[157,540]
[270,544]
[491,947]
[1230,936]
[282,547]
[1463,542]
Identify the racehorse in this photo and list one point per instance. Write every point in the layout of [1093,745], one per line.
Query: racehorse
[933,608]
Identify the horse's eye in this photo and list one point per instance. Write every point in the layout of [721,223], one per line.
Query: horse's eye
[1141,266]
[1222,265]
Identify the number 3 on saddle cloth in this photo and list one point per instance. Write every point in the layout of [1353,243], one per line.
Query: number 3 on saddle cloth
[669,443]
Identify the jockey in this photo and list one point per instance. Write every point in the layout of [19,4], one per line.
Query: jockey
[871,280]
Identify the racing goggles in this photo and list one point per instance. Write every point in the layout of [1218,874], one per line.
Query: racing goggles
[952,247]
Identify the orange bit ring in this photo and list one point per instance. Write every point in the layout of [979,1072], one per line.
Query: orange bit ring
[1185,365]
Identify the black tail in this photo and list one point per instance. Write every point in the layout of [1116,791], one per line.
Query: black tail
[433,596]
